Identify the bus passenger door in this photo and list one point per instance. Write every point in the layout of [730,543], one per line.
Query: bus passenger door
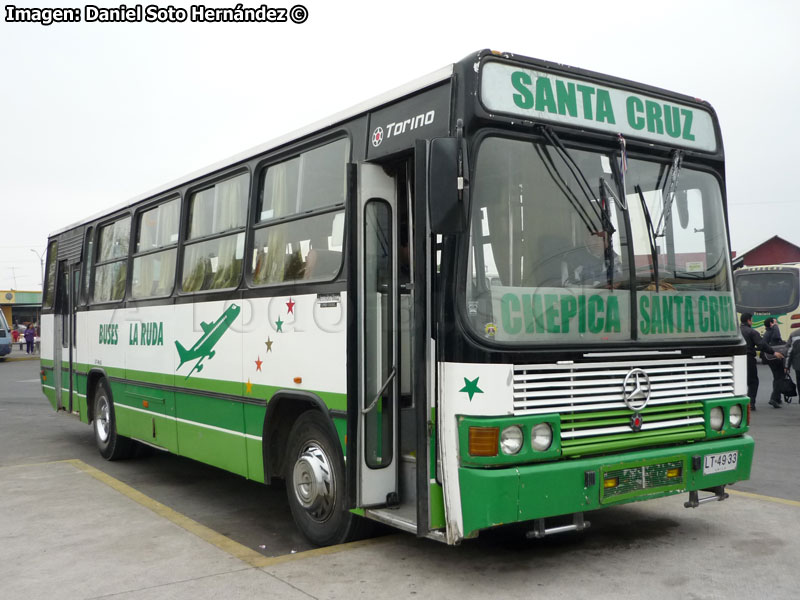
[60,335]
[377,344]
[71,326]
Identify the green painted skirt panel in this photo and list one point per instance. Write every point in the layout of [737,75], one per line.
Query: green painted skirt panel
[214,447]
[436,506]
[50,394]
[209,410]
[255,460]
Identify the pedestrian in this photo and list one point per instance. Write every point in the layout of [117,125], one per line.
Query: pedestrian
[30,333]
[772,337]
[754,342]
[793,358]
[15,335]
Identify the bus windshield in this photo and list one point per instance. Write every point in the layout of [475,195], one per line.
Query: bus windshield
[556,250]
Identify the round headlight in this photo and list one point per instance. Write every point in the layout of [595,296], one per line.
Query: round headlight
[736,415]
[511,440]
[717,418]
[541,437]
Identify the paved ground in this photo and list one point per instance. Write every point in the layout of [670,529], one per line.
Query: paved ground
[72,528]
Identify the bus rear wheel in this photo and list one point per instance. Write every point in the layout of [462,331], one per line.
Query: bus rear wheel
[315,482]
[111,445]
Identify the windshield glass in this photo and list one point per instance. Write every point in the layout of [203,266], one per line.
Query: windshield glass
[552,260]
[767,291]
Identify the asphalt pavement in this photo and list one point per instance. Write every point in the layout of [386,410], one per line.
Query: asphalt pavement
[75,527]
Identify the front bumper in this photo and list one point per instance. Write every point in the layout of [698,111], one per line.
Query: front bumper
[491,497]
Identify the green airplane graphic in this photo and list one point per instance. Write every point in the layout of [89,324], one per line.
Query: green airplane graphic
[211,333]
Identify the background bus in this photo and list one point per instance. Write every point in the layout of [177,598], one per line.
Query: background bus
[503,291]
[770,291]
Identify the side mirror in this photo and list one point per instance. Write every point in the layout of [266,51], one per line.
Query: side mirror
[445,211]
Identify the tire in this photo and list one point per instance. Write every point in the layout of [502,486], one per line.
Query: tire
[315,485]
[110,445]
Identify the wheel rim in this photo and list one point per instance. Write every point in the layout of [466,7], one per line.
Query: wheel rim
[101,418]
[313,482]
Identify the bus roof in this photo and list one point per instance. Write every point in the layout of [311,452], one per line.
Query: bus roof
[409,88]
[772,267]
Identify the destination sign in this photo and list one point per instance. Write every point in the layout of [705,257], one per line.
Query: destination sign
[548,97]
[539,314]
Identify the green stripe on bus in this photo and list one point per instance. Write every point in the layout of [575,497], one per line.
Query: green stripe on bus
[333,400]
[625,441]
[566,425]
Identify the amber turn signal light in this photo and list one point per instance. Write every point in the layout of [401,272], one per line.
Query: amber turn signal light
[483,441]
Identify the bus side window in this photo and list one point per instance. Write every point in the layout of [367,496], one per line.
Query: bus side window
[88,262]
[214,250]
[156,251]
[111,270]
[291,247]
[50,282]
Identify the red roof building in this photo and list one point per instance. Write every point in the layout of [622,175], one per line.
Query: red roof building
[774,251]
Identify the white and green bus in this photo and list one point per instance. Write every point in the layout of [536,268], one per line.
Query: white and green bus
[770,291]
[499,294]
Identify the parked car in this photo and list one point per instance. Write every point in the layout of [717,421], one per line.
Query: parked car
[5,337]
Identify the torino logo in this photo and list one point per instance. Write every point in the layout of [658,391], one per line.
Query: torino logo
[396,128]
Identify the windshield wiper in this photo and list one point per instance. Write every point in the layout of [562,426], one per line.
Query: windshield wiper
[608,251]
[583,184]
[651,236]
[669,194]
[573,200]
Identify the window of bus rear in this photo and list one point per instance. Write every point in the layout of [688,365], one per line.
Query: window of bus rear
[773,290]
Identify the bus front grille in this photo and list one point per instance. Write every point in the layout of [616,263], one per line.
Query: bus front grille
[594,417]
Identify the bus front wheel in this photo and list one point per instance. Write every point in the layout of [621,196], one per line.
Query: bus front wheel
[315,482]
[111,445]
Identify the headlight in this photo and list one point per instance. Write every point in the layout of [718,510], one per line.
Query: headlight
[717,418]
[541,437]
[736,415]
[511,440]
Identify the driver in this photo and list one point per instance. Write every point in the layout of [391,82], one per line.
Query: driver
[594,262]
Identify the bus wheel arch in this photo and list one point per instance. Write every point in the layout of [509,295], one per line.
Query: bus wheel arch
[110,444]
[93,378]
[283,410]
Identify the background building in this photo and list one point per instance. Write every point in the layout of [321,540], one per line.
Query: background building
[775,250]
[21,307]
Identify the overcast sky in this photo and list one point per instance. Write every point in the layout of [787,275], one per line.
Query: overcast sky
[92,114]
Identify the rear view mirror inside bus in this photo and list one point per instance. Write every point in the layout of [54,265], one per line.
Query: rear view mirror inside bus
[446,214]
[682,202]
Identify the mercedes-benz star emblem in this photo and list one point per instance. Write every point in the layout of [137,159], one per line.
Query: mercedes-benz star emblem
[636,389]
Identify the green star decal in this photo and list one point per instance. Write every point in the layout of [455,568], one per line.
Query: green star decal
[471,387]
[279,324]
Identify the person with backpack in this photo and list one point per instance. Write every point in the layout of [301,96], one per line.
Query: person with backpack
[793,357]
[754,343]
[772,337]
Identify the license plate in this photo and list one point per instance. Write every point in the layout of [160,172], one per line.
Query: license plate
[717,463]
